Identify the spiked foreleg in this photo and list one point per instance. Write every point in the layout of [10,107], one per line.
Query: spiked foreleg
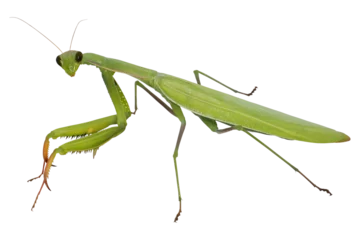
[86,144]
[96,139]
[73,131]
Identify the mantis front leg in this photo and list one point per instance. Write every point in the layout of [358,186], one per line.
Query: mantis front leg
[97,139]
[89,143]
[79,130]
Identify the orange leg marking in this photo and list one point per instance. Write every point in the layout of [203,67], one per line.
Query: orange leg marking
[45,155]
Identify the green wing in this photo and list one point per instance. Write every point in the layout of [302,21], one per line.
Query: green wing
[226,108]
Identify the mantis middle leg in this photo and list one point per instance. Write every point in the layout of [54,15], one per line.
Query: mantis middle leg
[97,139]
[197,72]
[177,112]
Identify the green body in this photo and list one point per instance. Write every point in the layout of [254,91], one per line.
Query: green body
[235,111]
[208,104]
[220,106]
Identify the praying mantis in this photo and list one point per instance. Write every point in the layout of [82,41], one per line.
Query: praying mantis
[209,105]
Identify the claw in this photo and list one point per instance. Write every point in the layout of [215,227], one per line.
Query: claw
[34,178]
[327,191]
[252,92]
[249,94]
[175,221]
[179,211]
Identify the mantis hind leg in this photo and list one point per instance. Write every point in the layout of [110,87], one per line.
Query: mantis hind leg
[197,72]
[213,126]
[177,112]
[86,144]
[283,159]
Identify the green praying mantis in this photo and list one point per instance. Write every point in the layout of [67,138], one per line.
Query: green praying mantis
[209,105]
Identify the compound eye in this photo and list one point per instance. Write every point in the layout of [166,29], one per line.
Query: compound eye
[78,56]
[58,60]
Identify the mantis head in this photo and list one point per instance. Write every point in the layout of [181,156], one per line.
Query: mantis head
[70,60]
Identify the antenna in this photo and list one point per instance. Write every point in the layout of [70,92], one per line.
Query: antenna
[74,32]
[35,29]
